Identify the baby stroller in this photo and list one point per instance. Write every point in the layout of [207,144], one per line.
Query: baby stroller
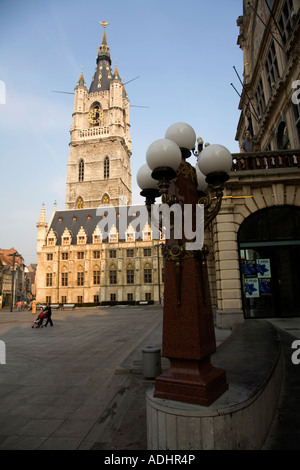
[39,321]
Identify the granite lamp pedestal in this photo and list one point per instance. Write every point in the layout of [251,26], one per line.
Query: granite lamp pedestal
[188,327]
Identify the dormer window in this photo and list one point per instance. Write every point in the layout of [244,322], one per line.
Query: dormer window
[66,237]
[113,235]
[130,234]
[52,238]
[81,237]
[147,233]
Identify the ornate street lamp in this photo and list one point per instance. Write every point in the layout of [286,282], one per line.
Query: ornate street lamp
[188,326]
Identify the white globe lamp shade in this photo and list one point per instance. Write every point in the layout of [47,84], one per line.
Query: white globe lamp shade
[215,159]
[144,178]
[201,183]
[182,134]
[163,157]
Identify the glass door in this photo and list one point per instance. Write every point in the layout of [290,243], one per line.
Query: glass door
[270,281]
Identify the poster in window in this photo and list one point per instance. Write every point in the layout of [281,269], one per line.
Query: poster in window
[263,268]
[249,268]
[251,287]
[264,286]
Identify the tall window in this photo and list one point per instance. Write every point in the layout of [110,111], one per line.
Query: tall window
[81,171]
[96,277]
[271,65]
[283,141]
[296,108]
[147,275]
[49,279]
[285,20]
[130,276]
[106,167]
[113,276]
[260,99]
[80,278]
[64,279]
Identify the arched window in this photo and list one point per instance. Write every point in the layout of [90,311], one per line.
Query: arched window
[105,199]
[106,167]
[81,171]
[283,141]
[79,203]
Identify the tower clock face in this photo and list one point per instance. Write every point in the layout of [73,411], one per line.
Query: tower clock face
[95,115]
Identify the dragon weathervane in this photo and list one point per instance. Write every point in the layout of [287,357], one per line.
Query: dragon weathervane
[104,24]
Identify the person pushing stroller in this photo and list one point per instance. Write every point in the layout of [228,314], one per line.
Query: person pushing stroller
[48,313]
[44,315]
[39,321]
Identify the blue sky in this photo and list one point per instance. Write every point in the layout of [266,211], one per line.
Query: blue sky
[182,52]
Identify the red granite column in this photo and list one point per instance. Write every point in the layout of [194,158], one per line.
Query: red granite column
[188,328]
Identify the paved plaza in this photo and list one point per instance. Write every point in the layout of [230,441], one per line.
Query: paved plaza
[79,384]
[65,387]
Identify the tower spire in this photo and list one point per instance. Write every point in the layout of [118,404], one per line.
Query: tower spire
[81,80]
[104,51]
[103,73]
[42,214]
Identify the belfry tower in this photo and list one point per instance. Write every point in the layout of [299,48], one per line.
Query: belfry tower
[100,147]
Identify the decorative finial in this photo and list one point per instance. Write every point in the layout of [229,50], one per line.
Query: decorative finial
[104,24]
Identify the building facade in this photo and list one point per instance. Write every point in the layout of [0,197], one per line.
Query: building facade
[255,248]
[12,278]
[270,101]
[93,251]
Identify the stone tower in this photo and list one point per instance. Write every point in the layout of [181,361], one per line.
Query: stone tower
[100,147]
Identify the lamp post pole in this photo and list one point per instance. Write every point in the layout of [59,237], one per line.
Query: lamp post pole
[14,255]
[158,245]
[188,326]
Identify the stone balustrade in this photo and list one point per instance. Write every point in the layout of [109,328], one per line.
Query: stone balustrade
[266,160]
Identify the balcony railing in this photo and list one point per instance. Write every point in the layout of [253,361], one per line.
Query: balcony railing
[266,160]
[94,132]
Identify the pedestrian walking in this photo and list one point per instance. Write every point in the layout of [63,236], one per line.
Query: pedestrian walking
[49,313]
[33,306]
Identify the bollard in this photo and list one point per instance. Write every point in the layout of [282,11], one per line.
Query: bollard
[151,362]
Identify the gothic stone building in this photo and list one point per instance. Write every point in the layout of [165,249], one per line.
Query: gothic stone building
[254,241]
[77,262]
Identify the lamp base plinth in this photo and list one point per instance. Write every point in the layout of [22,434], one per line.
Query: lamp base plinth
[191,382]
